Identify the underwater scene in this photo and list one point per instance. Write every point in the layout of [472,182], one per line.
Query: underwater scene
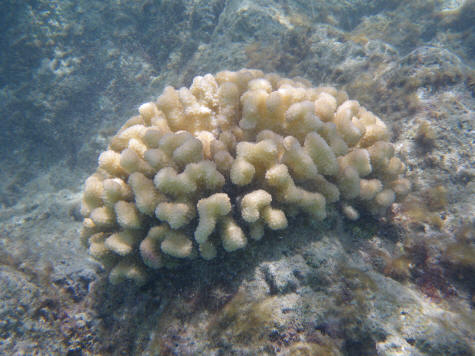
[236,177]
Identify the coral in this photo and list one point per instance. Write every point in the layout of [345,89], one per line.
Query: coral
[205,168]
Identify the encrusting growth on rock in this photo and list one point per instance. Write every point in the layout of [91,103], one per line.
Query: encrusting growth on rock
[210,166]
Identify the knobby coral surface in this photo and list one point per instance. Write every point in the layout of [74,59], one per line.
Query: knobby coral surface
[216,164]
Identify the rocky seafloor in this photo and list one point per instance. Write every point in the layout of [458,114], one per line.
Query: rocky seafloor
[74,71]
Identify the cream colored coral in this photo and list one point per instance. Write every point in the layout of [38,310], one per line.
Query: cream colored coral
[298,160]
[210,209]
[110,162]
[351,213]
[252,204]
[130,161]
[148,111]
[369,188]
[261,154]
[242,172]
[349,182]
[115,189]
[169,182]
[176,244]
[150,247]
[93,192]
[177,215]
[321,153]
[97,247]
[359,160]
[203,168]
[156,158]
[122,242]
[385,198]
[300,118]
[274,218]
[345,123]
[128,269]
[313,203]
[189,151]
[89,228]
[127,215]
[232,235]
[146,196]
[325,106]
[103,217]
[205,176]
